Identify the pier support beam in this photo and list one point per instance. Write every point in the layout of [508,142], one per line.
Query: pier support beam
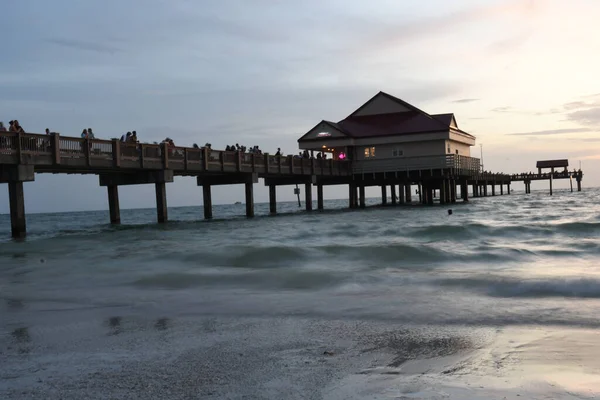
[402,190]
[501,189]
[352,195]
[452,191]
[508,188]
[113,204]
[308,196]
[551,182]
[161,202]
[429,194]
[571,182]
[493,189]
[485,190]
[361,190]
[207,201]
[249,189]
[393,190]
[420,190]
[475,189]
[579,184]
[383,195]
[272,199]
[16,196]
[408,192]
[443,192]
[464,191]
[319,197]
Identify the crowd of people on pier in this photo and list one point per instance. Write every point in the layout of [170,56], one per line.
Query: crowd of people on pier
[131,137]
[14,126]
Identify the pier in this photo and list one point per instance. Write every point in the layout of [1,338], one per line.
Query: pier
[117,164]
[386,142]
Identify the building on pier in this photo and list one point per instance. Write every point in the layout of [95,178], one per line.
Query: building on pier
[388,134]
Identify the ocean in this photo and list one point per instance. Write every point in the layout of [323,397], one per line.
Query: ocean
[498,300]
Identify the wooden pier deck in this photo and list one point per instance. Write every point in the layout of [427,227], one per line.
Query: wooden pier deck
[117,163]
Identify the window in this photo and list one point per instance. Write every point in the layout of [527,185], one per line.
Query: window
[369,152]
[449,151]
[456,151]
[397,152]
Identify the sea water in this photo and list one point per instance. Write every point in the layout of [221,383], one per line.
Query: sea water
[500,299]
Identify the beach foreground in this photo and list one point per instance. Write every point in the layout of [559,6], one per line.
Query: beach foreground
[497,301]
[256,358]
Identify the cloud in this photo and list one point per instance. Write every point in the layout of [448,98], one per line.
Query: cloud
[551,132]
[510,43]
[464,100]
[505,109]
[396,34]
[590,117]
[85,45]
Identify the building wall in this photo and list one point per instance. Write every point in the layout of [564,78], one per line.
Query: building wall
[407,149]
[463,149]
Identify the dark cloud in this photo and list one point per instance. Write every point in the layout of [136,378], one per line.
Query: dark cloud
[552,132]
[464,100]
[86,46]
[590,117]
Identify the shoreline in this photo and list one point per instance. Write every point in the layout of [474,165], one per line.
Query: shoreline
[292,357]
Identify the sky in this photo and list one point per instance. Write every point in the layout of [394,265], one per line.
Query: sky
[522,76]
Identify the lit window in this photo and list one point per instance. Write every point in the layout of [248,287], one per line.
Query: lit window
[397,152]
[367,152]
[372,151]
[323,134]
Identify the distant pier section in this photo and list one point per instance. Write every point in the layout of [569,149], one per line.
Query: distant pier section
[554,173]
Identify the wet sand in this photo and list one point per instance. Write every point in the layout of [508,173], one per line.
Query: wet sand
[125,357]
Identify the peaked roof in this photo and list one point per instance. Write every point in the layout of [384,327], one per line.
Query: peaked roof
[445,118]
[409,120]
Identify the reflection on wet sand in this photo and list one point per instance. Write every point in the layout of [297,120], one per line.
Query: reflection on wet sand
[21,335]
[114,324]
[161,324]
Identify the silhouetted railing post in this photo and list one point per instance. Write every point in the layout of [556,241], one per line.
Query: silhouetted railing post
[205,156]
[141,151]
[19,147]
[116,152]
[165,154]
[55,147]
[86,152]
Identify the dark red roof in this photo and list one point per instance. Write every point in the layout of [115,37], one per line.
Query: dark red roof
[402,123]
[445,118]
[391,124]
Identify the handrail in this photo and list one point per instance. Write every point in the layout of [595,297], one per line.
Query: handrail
[73,151]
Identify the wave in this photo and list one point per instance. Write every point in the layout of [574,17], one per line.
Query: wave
[289,279]
[510,287]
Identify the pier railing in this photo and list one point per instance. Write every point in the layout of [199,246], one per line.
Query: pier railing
[55,152]
[461,165]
